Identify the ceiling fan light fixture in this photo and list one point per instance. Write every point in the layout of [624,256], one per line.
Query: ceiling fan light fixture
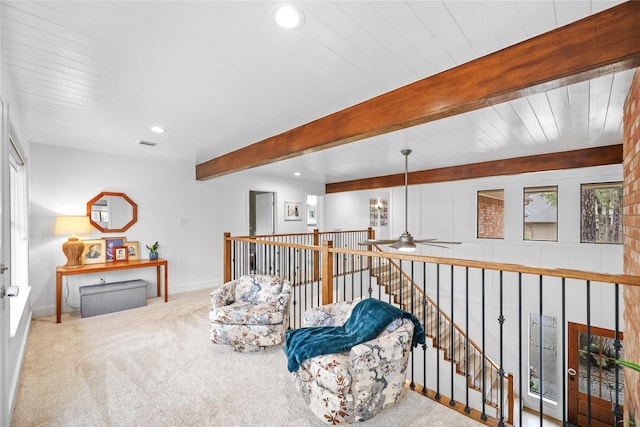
[405,243]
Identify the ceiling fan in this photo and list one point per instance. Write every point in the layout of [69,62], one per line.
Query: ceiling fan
[406,242]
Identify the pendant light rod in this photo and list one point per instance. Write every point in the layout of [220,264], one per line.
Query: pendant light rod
[406,153]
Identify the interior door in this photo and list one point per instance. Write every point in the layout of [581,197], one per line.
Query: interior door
[265,205]
[599,355]
[262,206]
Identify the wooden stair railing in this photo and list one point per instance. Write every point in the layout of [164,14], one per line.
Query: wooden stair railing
[399,285]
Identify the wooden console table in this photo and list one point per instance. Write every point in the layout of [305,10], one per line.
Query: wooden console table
[110,266]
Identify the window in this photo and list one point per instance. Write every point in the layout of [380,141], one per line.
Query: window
[601,213]
[19,232]
[600,354]
[543,341]
[541,213]
[490,214]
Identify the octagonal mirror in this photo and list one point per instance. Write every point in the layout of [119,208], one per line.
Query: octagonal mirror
[112,212]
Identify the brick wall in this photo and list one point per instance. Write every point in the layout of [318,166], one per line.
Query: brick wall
[631,203]
[490,217]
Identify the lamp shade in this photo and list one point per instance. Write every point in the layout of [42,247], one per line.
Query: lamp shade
[72,248]
[72,225]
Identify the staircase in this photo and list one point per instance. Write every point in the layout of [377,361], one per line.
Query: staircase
[449,339]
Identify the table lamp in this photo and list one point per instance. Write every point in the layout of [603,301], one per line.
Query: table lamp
[72,248]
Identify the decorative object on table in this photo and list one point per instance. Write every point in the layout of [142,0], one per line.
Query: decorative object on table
[349,360]
[292,211]
[250,313]
[73,247]
[120,253]
[113,242]
[94,251]
[132,248]
[153,250]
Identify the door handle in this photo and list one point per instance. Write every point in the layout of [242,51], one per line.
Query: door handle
[3,268]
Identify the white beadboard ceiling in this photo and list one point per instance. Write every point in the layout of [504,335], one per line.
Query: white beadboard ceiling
[220,75]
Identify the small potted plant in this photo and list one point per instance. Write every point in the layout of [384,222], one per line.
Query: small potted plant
[153,250]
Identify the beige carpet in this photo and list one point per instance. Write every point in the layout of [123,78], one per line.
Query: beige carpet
[155,366]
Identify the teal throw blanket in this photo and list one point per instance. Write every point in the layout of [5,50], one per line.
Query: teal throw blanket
[368,319]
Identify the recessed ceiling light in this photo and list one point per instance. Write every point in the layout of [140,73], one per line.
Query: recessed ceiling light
[296,173]
[158,129]
[289,17]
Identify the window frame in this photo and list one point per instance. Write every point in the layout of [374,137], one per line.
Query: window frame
[485,193]
[19,223]
[539,189]
[602,185]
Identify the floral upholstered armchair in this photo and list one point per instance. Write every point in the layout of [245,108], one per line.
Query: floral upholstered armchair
[354,385]
[250,313]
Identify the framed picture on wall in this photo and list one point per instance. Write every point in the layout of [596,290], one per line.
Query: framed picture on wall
[292,211]
[94,251]
[311,215]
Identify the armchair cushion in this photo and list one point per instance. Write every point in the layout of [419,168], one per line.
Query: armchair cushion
[257,289]
[330,314]
[246,313]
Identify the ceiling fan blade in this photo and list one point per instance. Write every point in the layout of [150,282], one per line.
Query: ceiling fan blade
[441,242]
[377,242]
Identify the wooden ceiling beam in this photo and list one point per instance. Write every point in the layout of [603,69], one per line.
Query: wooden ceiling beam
[600,44]
[597,156]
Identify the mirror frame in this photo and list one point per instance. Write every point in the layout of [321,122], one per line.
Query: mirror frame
[134,218]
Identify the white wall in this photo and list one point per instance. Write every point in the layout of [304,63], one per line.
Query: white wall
[350,211]
[447,211]
[186,216]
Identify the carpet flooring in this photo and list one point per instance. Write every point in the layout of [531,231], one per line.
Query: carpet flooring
[155,366]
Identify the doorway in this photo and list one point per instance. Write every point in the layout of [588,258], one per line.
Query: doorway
[262,220]
[599,380]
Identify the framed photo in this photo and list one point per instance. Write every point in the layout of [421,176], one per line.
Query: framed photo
[120,253]
[292,211]
[311,215]
[132,250]
[110,243]
[94,251]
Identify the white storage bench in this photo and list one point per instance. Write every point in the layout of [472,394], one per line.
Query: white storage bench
[109,297]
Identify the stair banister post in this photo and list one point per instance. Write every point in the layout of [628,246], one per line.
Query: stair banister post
[226,253]
[316,256]
[327,273]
